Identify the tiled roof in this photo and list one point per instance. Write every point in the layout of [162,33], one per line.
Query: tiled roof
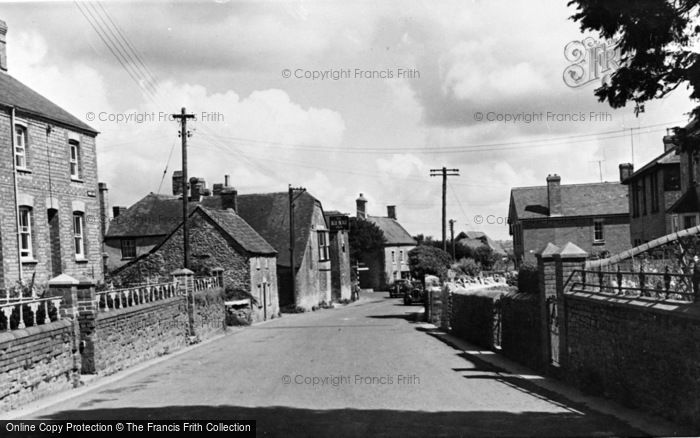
[238,230]
[13,93]
[268,214]
[394,233]
[668,157]
[594,199]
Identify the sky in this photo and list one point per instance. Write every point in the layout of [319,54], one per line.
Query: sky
[338,97]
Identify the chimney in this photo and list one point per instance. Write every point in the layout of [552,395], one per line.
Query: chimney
[227,182]
[104,207]
[229,198]
[626,169]
[554,194]
[218,187]
[669,142]
[3,46]
[177,183]
[391,211]
[361,204]
[198,188]
[117,211]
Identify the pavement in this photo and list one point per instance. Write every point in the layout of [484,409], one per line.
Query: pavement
[366,369]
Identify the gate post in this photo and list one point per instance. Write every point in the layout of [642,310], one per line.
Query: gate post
[547,288]
[569,258]
[66,287]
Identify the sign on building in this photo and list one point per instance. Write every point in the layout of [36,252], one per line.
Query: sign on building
[339,223]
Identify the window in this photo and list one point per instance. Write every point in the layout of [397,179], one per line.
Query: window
[401,257]
[598,235]
[393,256]
[20,147]
[79,235]
[267,263]
[689,221]
[654,192]
[128,248]
[257,263]
[74,159]
[25,233]
[323,253]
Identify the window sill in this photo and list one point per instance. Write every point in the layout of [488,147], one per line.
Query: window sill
[598,242]
[29,261]
[76,180]
[24,170]
[81,260]
[127,258]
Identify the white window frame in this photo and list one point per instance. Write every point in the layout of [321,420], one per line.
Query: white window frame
[393,256]
[79,235]
[25,229]
[74,165]
[323,246]
[23,146]
[257,263]
[596,223]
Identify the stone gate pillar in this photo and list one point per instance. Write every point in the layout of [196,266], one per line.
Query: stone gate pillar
[185,285]
[569,258]
[66,287]
[546,270]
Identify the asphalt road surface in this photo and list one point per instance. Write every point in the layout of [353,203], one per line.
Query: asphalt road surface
[367,369]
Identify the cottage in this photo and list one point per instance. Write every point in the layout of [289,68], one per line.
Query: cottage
[48,185]
[219,239]
[594,216]
[390,263]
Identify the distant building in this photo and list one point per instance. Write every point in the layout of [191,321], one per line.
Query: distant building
[219,239]
[594,216]
[48,185]
[653,191]
[479,239]
[390,263]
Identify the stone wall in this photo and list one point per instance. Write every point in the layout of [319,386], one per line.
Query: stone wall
[472,316]
[34,362]
[521,331]
[643,355]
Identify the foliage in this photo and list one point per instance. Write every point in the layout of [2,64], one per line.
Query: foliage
[364,237]
[467,267]
[428,260]
[655,39]
[528,279]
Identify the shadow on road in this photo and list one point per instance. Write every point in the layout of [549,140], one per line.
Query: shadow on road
[296,422]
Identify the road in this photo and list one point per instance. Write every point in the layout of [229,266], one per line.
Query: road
[367,369]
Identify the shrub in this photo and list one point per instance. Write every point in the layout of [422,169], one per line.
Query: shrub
[468,267]
[528,279]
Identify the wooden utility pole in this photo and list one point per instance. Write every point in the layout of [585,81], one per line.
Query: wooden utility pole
[452,236]
[445,172]
[292,238]
[184,134]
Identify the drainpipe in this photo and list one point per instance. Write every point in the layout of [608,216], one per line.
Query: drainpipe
[14,175]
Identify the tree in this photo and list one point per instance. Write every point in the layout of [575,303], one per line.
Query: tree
[655,38]
[364,237]
[428,260]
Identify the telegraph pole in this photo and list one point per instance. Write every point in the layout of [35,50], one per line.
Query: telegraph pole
[452,236]
[292,197]
[445,172]
[184,134]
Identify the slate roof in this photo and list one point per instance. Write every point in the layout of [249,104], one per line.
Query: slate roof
[394,233]
[268,214]
[13,93]
[596,199]
[687,203]
[668,157]
[160,215]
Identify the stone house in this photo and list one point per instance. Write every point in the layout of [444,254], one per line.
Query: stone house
[338,226]
[50,220]
[219,239]
[390,263]
[594,216]
[268,214]
[653,190]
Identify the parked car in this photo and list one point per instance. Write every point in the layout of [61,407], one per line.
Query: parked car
[398,288]
[415,294]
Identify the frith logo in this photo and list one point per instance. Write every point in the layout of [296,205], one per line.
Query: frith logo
[591,60]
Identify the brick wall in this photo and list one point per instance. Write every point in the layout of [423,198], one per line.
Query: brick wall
[643,356]
[35,362]
[47,178]
[521,330]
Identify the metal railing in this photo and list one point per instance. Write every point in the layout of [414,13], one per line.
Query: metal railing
[644,285]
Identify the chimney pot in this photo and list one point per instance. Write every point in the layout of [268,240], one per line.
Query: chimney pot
[177,183]
[227,179]
[118,210]
[669,142]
